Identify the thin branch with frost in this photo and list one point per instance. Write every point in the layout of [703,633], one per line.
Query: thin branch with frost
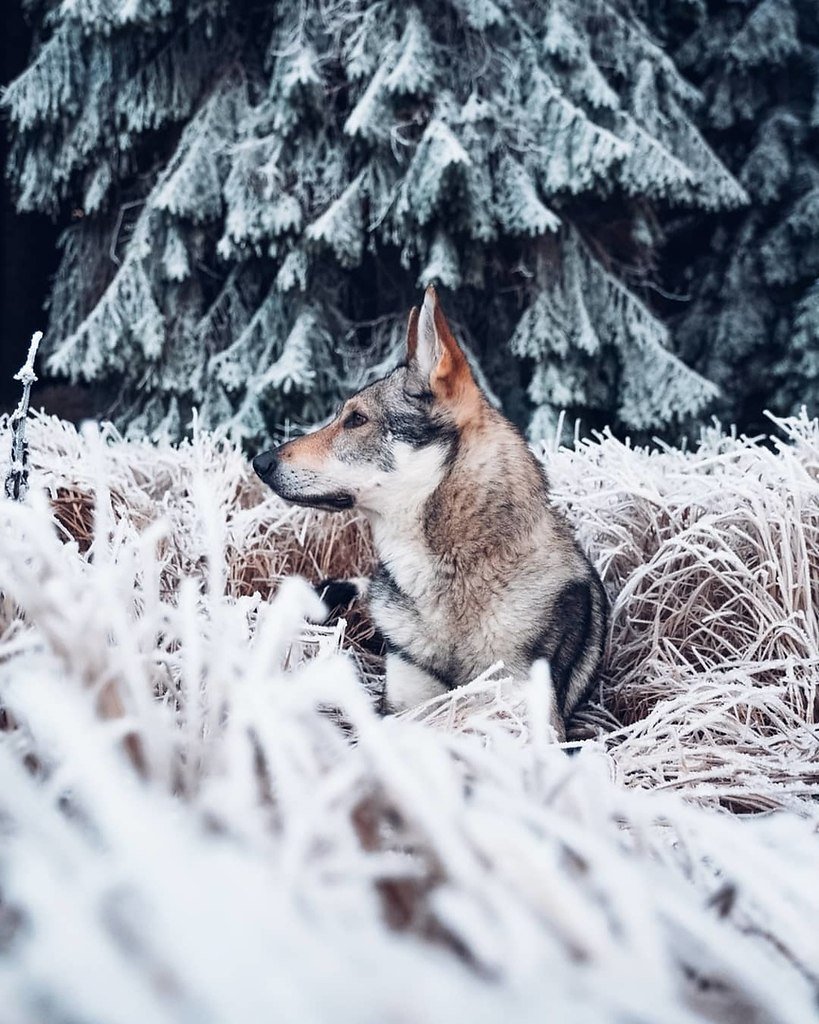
[16,485]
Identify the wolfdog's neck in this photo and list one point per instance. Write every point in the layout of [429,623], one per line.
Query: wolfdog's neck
[483,517]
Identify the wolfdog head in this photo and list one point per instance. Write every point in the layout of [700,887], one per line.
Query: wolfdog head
[390,443]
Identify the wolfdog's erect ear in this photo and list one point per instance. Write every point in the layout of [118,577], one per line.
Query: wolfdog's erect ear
[439,356]
[412,334]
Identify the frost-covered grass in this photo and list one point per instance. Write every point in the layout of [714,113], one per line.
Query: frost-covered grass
[203,819]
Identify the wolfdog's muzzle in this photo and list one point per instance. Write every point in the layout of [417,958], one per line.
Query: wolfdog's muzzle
[294,485]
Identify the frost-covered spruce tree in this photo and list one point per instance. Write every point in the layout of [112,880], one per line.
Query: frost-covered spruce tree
[751,322]
[260,191]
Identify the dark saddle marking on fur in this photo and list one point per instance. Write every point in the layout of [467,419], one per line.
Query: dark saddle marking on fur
[383,584]
[566,638]
[420,431]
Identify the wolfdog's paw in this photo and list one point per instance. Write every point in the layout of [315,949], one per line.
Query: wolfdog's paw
[342,599]
[339,594]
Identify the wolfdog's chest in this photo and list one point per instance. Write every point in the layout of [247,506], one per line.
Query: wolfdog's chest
[452,626]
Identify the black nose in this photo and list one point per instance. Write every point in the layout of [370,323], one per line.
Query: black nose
[264,463]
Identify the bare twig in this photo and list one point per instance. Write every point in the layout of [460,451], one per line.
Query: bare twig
[16,486]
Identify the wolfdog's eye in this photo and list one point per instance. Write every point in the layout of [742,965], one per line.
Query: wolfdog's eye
[355,419]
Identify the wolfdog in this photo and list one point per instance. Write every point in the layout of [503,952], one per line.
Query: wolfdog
[475,565]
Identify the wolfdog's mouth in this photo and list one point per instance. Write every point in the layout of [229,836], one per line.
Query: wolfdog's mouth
[324,502]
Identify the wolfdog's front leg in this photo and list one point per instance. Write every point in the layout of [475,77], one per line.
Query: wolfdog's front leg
[408,685]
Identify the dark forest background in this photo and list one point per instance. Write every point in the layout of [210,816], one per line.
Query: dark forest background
[727,260]
[28,242]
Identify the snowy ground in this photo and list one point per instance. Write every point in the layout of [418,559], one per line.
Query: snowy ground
[202,818]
